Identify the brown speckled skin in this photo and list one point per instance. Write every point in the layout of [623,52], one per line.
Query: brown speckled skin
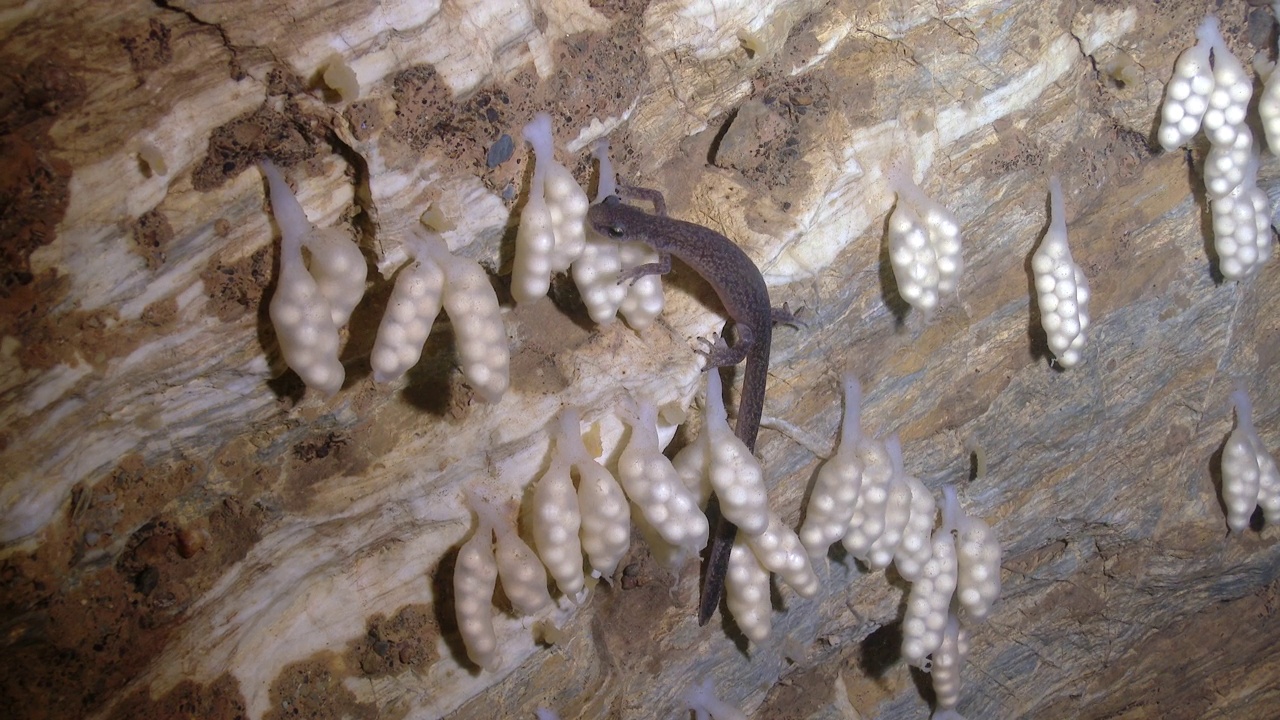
[742,290]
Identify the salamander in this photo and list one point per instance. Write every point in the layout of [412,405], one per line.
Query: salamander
[742,290]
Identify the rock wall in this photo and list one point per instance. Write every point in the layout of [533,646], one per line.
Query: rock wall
[184,531]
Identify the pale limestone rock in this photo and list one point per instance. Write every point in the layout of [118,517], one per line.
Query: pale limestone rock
[140,421]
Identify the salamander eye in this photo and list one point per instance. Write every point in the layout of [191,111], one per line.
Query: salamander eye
[615,231]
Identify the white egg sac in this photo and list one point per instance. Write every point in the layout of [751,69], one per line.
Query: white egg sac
[1061,287]
[746,589]
[412,309]
[300,313]
[1186,97]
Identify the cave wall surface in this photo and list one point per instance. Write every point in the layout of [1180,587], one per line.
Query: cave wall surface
[184,531]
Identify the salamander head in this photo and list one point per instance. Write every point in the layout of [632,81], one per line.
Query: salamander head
[608,217]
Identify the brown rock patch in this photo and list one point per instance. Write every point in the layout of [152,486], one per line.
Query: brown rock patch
[148,46]
[237,287]
[313,689]
[152,233]
[286,138]
[219,700]
[393,645]
[33,195]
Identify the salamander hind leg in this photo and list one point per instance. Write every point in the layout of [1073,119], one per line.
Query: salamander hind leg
[786,316]
[719,353]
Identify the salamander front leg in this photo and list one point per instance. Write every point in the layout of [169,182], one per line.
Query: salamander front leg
[662,267]
[649,195]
